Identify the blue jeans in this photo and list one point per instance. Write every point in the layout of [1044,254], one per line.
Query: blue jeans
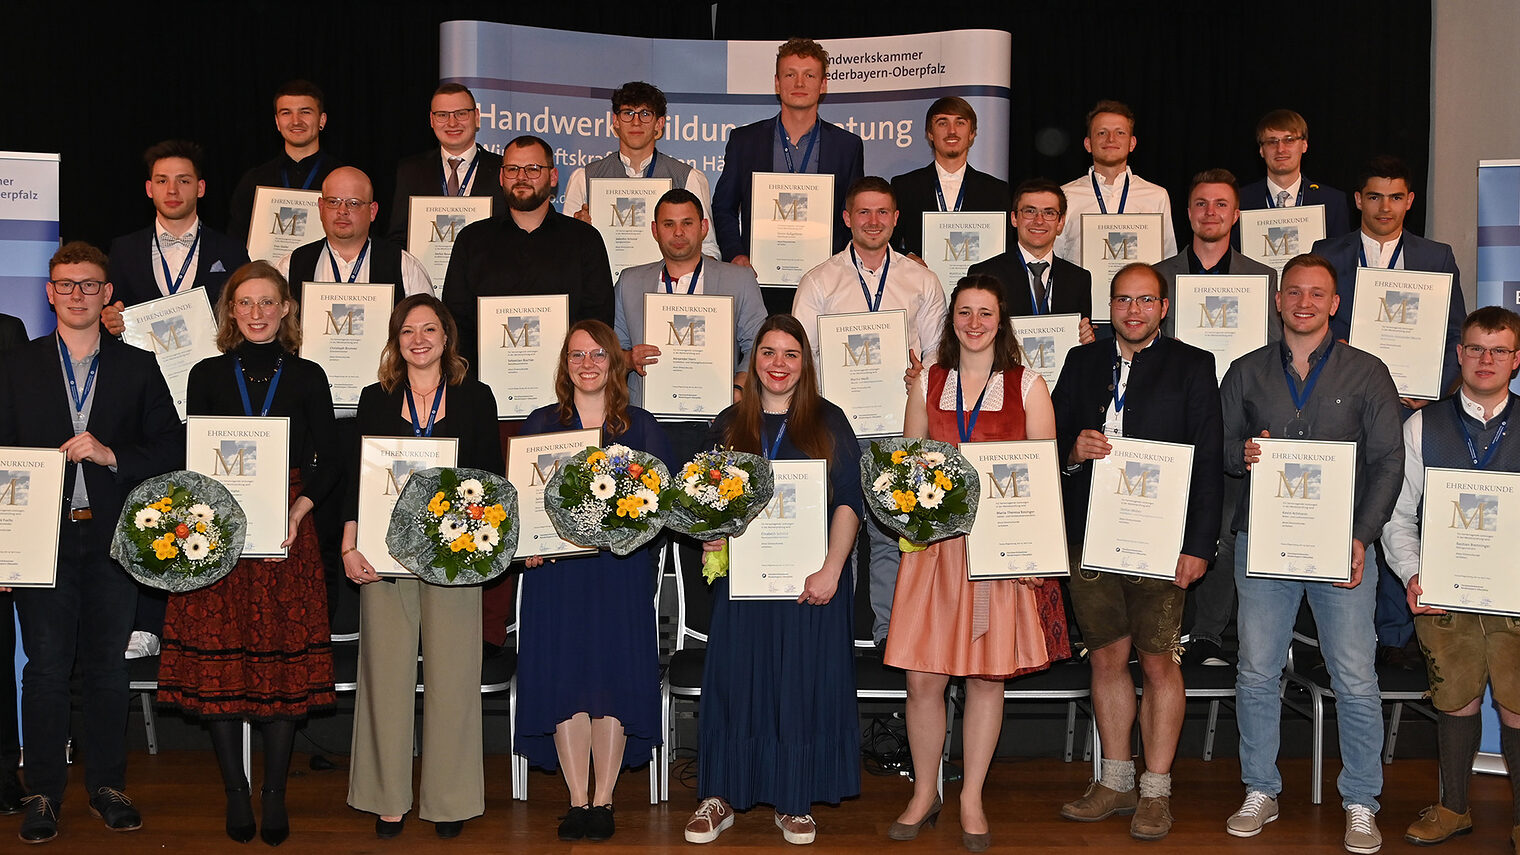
[1348,644]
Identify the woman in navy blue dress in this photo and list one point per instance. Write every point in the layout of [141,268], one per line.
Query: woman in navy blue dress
[588,674]
[778,718]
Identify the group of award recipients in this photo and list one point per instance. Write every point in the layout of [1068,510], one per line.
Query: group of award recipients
[1133,412]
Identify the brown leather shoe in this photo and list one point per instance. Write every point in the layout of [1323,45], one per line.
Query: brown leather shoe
[1438,825]
[1099,802]
[1153,818]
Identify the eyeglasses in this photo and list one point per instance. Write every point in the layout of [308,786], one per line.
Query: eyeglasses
[442,116]
[1032,213]
[245,306]
[333,203]
[1476,351]
[531,171]
[640,116]
[1144,301]
[86,286]
[1274,142]
[597,356]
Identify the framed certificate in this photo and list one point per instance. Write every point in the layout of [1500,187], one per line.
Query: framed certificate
[1225,315]
[955,240]
[282,220]
[622,209]
[791,225]
[1273,236]
[250,456]
[531,462]
[1137,508]
[343,329]
[862,357]
[385,462]
[1110,241]
[520,339]
[1303,496]
[1045,340]
[695,334]
[1399,316]
[789,541]
[31,510]
[1020,529]
[1467,559]
[432,224]
[179,330]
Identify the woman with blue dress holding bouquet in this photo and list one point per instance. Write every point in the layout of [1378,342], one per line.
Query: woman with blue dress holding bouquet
[778,721]
[588,673]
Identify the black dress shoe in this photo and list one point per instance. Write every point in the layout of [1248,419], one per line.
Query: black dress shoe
[113,806]
[276,822]
[11,793]
[385,829]
[449,830]
[40,824]
[599,822]
[572,825]
[240,825]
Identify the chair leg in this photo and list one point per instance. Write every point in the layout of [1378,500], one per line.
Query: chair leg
[518,774]
[1071,729]
[1317,768]
[1393,731]
[1096,743]
[150,721]
[247,750]
[1208,739]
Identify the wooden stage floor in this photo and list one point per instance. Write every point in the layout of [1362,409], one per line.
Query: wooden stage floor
[180,795]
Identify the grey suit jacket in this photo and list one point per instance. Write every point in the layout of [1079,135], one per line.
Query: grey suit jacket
[718,279]
[1177,265]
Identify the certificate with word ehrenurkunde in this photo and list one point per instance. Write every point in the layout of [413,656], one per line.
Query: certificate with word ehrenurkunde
[520,339]
[432,225]
[385,464]
[1273,236]
[250,456]
[1303,497]
[862,358]
[531,462]
[1225,315]
[343,329]
[1044,341]
[1137,508]
[955,240]
[31,511]
[179,330]
[789,541]
[282,220]
[1469,539]
[791,225]
[622,209]
[693,376]
[1400,317]
[1110,241]
[1020,529]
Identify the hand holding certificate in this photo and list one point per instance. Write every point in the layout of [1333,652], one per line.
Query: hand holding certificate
[788,541]
[1303,496]
[385,464]
[1467,558]
[1137,508]
[531,462]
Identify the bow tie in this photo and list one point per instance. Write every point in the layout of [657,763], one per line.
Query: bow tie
[167,240]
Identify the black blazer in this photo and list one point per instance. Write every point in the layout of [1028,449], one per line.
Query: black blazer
[132,414]
[422,175]
[132,279]
[1173,397]
[915,195]
[1071,286]
[12,332]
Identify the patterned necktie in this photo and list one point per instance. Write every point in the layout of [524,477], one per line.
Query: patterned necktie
[1037,276]
[454,175]
[1282,198]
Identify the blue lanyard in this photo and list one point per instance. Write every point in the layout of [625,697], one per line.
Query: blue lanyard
[786,146]
[1472,451]
[1300,400]
[332,258]
[939,193]
[173,282]
[279,366]
[310,176]
[881,286]
[1272,203]
[411,407]
[654,156]
[1123,197]
[464,183]
[89,379]
[1118,398]
[961,424]
[775,447]
[1361,253]
[670,284]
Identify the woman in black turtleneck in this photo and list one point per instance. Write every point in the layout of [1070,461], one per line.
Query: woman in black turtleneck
[256,644]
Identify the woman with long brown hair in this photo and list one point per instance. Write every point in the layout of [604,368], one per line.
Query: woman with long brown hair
[778,718]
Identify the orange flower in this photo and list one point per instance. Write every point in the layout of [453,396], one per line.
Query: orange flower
[635,470]
[182,530]
[476,511]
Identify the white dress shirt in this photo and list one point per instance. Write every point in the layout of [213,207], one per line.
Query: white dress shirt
[1378,254]
[464,169]
[1275,192]
[174,254]
[833,288]
[414,277]
[949,184]
[1144,198]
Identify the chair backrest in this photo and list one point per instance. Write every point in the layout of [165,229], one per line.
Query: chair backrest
[693,600]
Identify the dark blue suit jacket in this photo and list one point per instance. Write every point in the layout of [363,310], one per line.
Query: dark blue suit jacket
[915,195]
[1253,197]
[749,150]
[132,279]
[1419,254]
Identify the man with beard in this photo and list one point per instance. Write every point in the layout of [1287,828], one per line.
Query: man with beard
[949,182]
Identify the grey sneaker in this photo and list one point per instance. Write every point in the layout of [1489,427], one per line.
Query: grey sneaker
[1257,810]
[1362,836]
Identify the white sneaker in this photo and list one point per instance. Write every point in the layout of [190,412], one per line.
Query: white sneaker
[142,645]
[1258,810]
[1362,835]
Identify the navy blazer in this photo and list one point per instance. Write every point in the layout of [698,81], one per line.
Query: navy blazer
[1071,286]
[915,195]
[422,175]
[132,414]
[1253,197]
[750,150]
[1172,397]
[132,279]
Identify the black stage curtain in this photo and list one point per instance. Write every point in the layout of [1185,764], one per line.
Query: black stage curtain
[101,84]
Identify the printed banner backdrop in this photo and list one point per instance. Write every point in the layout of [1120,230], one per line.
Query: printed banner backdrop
[538,81]
[28,235]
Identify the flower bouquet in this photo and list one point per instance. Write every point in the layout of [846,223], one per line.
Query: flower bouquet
[608,498]
[922,489]
[454,526]
[179,531]
[719,493]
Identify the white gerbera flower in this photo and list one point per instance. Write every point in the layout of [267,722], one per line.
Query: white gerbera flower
[692,489]
[471,490]
[451,528]
[930,495]
[486,539]
[201,512]
[883,481]
[197,547]
[603,487]
[934,459]
[736,472]
[147,518]
[650,497]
